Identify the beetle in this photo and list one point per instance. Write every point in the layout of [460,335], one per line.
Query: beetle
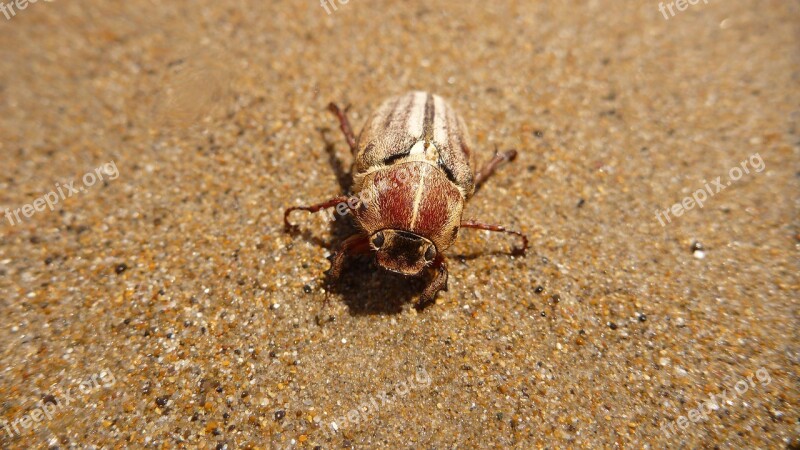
[412,175]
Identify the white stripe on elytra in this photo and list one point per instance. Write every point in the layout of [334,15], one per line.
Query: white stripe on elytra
[418,195]
[439,117]
[416,118]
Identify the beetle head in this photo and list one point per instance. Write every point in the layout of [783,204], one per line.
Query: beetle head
[402,252]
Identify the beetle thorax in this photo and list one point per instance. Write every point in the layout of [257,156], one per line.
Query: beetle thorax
[414,197]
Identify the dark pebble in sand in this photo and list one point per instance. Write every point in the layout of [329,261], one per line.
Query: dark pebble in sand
[538,289]
[121,268]
[280,414]
[612,325]
[162,401]
[307,289]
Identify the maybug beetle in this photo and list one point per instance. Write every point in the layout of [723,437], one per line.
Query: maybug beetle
[412,174]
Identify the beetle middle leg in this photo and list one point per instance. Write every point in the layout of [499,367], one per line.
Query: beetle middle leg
[344,124]
[488,169]
[498,228]
[313,208]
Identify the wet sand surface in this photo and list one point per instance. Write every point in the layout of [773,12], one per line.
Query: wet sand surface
[164,306]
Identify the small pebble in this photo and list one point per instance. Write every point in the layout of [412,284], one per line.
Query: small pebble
[162,401]
[697,250]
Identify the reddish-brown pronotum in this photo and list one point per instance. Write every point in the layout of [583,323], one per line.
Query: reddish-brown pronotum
[412,175]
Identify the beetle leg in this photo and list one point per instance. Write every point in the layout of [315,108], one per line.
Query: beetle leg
[488,169]
[438,283]
[313,208]
[488,227]
[344,124]
[354,245]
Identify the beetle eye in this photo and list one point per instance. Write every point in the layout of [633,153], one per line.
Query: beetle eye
[430,253]
[378,239]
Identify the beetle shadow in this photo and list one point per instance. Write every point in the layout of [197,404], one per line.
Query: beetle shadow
[365,288]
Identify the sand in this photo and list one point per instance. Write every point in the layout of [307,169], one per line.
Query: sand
[164,306]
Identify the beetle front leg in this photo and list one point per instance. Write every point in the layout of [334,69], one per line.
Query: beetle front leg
[438,283]
[356,244]
[488,169]
[344,124]
[313,208]
[499,228]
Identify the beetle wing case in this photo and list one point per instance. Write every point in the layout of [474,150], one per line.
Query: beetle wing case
[416,126]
